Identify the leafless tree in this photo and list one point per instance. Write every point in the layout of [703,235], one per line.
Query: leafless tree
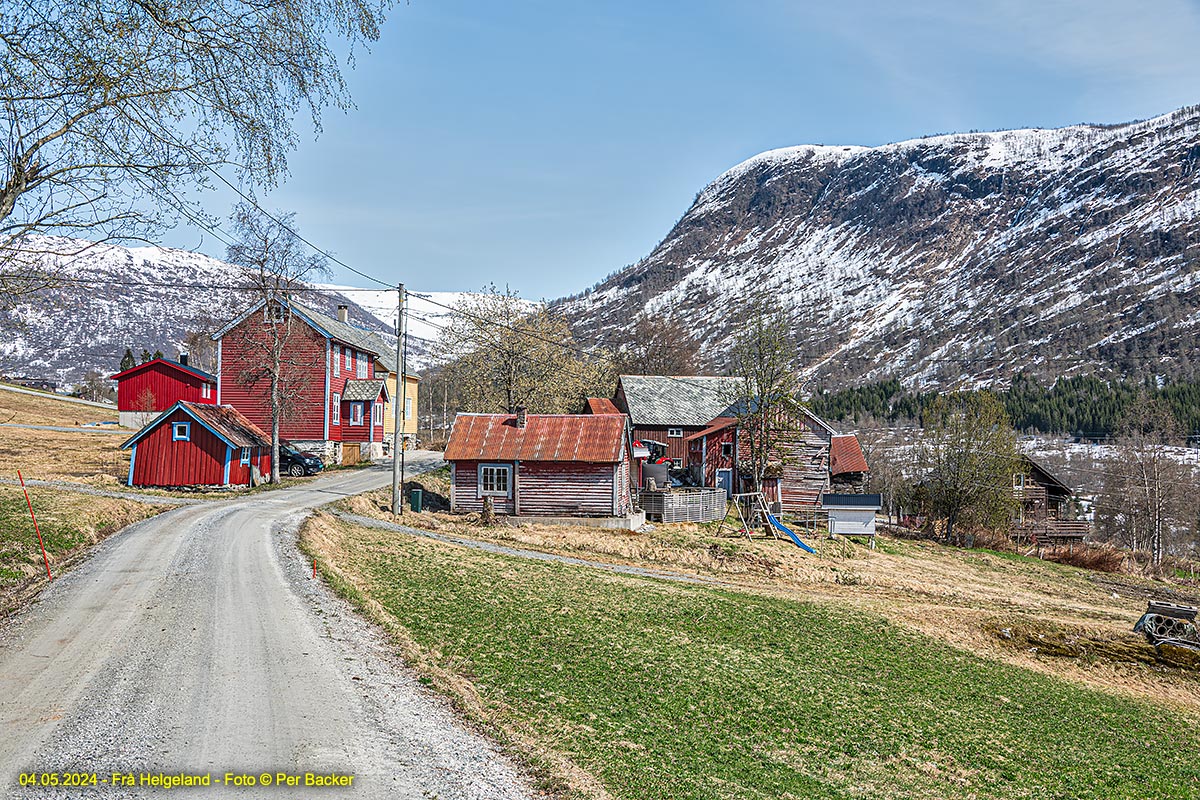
[276,264]
[500,353]
[765,402]
[1147,495]
[116,112]
[656,345]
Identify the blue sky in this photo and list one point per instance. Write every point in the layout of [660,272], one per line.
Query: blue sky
[545,144]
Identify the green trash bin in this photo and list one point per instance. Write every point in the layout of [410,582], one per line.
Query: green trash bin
[416,499]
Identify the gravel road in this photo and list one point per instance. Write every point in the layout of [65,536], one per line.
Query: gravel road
[197,642]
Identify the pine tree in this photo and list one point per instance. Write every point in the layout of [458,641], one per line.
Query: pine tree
[127,360]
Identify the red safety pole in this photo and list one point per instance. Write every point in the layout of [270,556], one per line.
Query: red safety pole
[29,503]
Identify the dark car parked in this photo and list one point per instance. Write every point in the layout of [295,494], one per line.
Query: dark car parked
[297,464]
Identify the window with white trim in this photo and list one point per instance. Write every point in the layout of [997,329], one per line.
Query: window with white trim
[408,408]
[336,410]
[337,360]
[726,449]
[677,463]
[361,373]
[495,480]
[356,413]
[245,456]
[274,313]
[377,413]
[675,433]
[349,358]
[181,431]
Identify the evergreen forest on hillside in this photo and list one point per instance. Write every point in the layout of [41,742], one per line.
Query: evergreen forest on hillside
[1081,406]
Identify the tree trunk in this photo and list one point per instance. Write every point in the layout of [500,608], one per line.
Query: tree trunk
[275,426]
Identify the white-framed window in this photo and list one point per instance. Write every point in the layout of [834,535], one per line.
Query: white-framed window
[408,408]
[181,431]
[362,366]
[377,413]
[677,463]
[206,390]
[245,456]
[675,433]
[726,449]
[349,358]
[495,480]
[273,313]
[336,411]
[356,413]
[337,360]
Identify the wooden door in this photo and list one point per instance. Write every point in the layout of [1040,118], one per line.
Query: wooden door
[351,453]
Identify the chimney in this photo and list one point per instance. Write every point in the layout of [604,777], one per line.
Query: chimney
[520,416]
[183,359]
[343,313]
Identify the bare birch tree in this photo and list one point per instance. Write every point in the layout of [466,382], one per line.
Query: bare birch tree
[1146,495]
[656,345]
[276,264]
[762,360]
[115,112]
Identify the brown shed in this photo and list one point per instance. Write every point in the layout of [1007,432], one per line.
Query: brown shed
[540,464]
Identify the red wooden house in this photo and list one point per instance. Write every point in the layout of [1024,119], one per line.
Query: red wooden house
[195,444]
[335,405]
[541,464]
[664,410]
[811,459]
[146,390]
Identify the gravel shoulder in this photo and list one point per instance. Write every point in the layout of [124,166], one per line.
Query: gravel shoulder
[197,641]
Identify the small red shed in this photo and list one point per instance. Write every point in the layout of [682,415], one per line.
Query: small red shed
[146,390]
[574,465]
[194,444]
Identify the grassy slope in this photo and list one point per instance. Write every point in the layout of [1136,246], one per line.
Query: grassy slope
[46,409]
[672,691]
[69,524]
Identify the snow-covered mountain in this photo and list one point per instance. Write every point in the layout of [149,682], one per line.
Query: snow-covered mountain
[943,260]
[110,297]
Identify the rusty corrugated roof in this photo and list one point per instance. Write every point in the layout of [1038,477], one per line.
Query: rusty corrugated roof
[846,455]
[594,438]
[601,405]
[230,423]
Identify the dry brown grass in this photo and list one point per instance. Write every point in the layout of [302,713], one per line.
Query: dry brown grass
[62,455]
[963,597]
[45,409]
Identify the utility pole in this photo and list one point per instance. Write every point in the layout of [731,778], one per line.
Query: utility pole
[398,414]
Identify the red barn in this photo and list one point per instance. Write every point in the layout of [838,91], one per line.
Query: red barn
[147,390]
[541,464]
[194,444]
[335,402]
[810,459]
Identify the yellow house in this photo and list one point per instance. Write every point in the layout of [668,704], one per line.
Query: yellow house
[386,363]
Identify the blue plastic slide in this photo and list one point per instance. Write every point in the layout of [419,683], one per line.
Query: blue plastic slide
[781,527]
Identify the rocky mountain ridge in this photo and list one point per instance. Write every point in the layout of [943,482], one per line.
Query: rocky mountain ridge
[945,261]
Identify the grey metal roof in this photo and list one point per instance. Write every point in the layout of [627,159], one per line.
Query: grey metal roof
[359,338]
[358,390]
[873,501]
[669,400]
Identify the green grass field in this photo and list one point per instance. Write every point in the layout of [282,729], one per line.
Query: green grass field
[671,691]
[68,522]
